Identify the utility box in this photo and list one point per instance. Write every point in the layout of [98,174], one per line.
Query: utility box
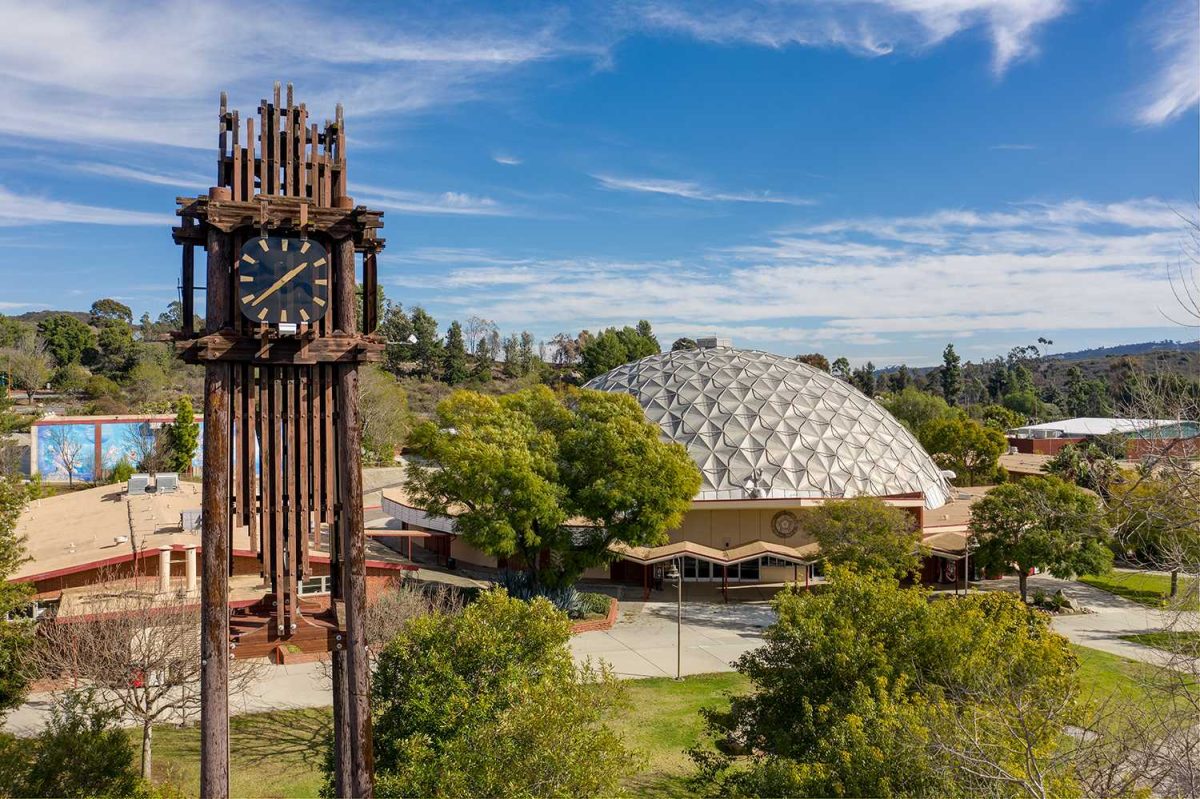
[138,485]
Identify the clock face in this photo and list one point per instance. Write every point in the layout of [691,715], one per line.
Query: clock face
[283,281]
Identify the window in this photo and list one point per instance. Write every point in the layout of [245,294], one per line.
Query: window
[315,585]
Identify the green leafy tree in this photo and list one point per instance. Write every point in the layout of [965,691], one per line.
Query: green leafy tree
[121,471]
[28,368]
[1040,523]
[841,369]
[853,687]
[488,702]
[1000,418]
[1085,465]
[964,446]
[383,413]
[70,378]
[1086,397]
[485,360]
[454,356]
[427,349]
[613,348]
[183,436]
[66,338]
[82,752]
[109,310]
[867,534]
[15,636]
[116,351]
[396,329]
[684,343]
[514,470]
[864,379]
[915,408]
[951,375]
[525,356]
[816,360]
[1027,403]
[899,379]
[1156,521]
[15,334]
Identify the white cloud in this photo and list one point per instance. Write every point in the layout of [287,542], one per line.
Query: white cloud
[1175,36]
[693,191]
[189,181]
[415,202]
[18,210]
[506,159]
[1036,267]
[867,27]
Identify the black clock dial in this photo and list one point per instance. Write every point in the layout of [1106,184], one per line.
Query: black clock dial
[283,281]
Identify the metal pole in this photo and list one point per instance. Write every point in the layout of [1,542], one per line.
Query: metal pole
[679,624]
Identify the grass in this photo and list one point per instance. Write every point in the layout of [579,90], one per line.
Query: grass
[279,754]
[1183,642]
[1147,589]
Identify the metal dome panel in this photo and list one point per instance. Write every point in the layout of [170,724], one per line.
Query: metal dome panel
[744,414]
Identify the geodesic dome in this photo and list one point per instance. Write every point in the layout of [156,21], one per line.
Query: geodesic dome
[761,425]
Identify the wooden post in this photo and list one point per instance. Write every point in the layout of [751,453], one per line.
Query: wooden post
[349,437]
[214,580]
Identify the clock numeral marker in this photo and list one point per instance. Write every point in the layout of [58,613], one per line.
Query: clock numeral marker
[248,259]
[285,242]
[304,314]
[263,243]
[283,316]
[319,301]
[262,314]
[304,247]
[248,298]
[321,281]
[319,262]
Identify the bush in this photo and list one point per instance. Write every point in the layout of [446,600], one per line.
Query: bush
[593,604]
[521,585]
[121,472]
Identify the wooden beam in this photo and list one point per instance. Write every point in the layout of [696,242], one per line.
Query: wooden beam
[227,346]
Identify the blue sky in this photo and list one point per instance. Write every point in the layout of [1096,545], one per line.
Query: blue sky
[869,178]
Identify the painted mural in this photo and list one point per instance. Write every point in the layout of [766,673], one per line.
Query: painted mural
[71,450]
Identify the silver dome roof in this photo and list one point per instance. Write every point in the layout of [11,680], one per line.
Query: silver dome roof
[761,425]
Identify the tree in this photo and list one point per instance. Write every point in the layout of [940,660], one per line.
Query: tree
[454,357]
[65,337]
[383,412]
[852,686]
[525,354]
[513,471]
[396,330]
[841,369]
[183,436]
[116,352]
[488,702]
[867,534]
[816,360]
[1040,523]
[899,379]
[485,360]
[951,375]
[28,367]
[65,451]
[147,447]
[1086,397]
[915,408]
[964,446]
[614,347]
[70,378]
[685,344]
[1154,522]
[109,310]
[1085,465]
[864,379]
[476,332]
[15,334]
[16,637]
[140,655]
[999,418]
[427,349]
[82,752]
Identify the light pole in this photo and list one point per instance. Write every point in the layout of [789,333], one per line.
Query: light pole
[674,574]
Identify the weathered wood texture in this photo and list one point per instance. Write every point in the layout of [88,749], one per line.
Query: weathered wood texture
[282,440]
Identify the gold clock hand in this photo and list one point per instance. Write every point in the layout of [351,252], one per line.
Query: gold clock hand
[278,284]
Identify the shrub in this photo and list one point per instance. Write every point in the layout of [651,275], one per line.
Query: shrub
[522,585]
[121,472]
[593,604]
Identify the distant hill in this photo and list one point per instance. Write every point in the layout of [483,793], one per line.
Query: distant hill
[33,317]
[1126,349]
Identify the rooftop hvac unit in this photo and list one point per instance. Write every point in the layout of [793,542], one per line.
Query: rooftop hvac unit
[138,484]
[189,520]
[712,342]
[166,483]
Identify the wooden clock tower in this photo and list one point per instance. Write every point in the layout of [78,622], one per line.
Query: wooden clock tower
[285,331]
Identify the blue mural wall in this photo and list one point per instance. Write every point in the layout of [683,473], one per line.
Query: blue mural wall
[118,439]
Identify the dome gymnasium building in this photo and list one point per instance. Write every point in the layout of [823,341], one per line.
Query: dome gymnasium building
[770,436]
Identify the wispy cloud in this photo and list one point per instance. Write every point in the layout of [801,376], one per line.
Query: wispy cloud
[506,159]
[823,286]
[867,27]
[188,181]
[416,202]
[693,191]
[1175,35]
[18,210]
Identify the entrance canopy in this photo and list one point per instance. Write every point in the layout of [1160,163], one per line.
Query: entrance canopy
[646,556]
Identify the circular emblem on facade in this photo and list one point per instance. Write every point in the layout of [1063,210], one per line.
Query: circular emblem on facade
[785,524]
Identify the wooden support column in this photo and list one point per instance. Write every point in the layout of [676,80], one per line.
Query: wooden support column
[350,528]
[214,580]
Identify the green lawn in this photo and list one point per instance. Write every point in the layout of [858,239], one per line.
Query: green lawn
[279,754]
[1143,588]
[1185,642]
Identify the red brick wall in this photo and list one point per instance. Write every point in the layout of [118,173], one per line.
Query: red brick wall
[1041,446]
